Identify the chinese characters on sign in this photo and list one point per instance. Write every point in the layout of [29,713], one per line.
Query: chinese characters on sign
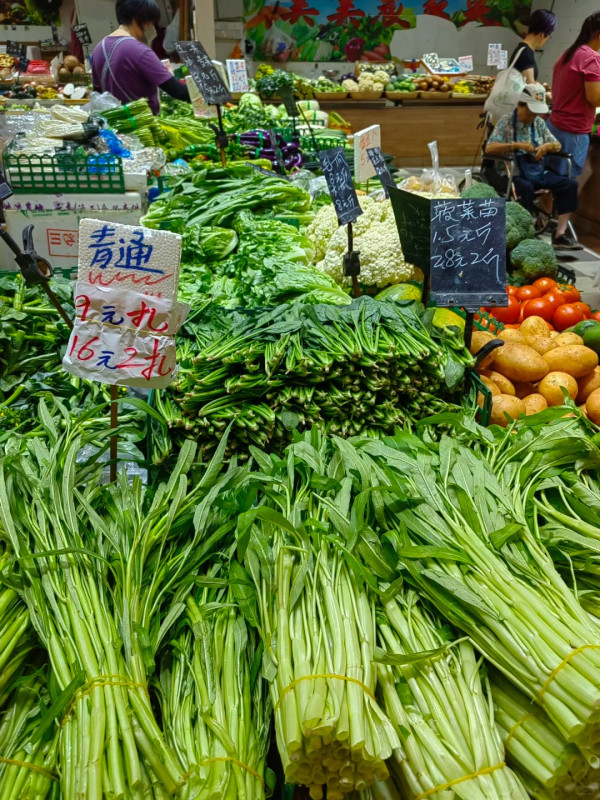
[125,302]
[493,56]
[340,185]
[381,168]
[369,137]
[237,74]
[468,252]
[204,73]
[466,63]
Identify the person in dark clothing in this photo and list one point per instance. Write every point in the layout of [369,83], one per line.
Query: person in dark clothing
[524,133]
[124,64]
[542,24]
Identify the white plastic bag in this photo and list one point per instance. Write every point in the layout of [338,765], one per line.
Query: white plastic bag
[507,88]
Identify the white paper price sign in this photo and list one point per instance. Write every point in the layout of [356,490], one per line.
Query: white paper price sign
[126,306]
[237,74]
[363,140]
[493,56]
[503,59]
[466,63]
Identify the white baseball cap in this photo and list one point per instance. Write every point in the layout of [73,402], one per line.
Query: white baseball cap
[534,95]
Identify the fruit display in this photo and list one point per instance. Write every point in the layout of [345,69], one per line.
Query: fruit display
[558,304]
[481,84]
[401,83]
[537,368]
[432,83]
[71,66]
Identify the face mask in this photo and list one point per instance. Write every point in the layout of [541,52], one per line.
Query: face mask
[150,34]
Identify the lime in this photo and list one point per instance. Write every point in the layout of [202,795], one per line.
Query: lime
[584,325]
[444,318]
[591,337]
[400,291]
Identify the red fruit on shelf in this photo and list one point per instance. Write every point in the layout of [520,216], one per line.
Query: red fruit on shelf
[509,314]
[566,316]
[538,307]
[528,293]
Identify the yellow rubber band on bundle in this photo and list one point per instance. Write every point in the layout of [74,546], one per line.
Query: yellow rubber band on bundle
[326,676]
[562,665]
[519,722]
[13,762]
[241,764]
[443,786]
[95,683]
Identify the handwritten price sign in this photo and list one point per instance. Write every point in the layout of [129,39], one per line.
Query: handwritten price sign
[126,309]
[363,140]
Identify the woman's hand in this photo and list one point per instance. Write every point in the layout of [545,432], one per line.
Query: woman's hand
[527,147]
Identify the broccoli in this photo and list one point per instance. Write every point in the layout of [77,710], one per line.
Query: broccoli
[535,259]
[519,225]
[479,190]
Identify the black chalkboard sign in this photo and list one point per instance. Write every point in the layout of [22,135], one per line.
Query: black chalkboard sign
[16,49]
[339,180]
[289,101]
[468,253]
[204,73]
[82,33]
[413,220]
[381,168]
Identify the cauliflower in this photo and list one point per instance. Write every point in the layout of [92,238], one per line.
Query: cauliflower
[349,85]
[375,237]
[381,76]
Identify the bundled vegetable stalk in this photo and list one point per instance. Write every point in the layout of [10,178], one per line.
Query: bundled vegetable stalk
[28,743]
[135,117]
[317,624]
[111,569]
[360,368]
[16,641]
[215,708]
[433,695]
[550,768]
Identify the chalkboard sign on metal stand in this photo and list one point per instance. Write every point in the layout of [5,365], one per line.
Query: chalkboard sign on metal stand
[381,168]
[210,85]
[289,101]
[468,255]
[345,201]
[277,151]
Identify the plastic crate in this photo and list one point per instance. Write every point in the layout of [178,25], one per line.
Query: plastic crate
[64,173]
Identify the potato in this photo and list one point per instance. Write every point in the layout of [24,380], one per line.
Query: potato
[502,383]
[592,406]
[587,384]
[554,334]
[575,359]
[550,387]
[511,335]
[519,362]
[534,403]
[478,340]
[503,404]
[534,326]
[564,339]
[523,389]
[491,386]
[541,344]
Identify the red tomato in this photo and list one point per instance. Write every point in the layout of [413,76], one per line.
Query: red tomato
[528,293]
[570,292]
[509,314]
[596,316]
[515,327]
[566,315]
[512,289]
[538,307]
[545,284]
[550,326]
[555,298]
[586,310]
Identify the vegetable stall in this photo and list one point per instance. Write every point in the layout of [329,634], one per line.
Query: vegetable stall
[319,570]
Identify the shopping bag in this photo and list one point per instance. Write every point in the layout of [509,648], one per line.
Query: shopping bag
[507,88]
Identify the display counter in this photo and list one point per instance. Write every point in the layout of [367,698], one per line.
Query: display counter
[587,219]
[407,129]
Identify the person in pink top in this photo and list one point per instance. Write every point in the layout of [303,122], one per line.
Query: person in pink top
[575,97]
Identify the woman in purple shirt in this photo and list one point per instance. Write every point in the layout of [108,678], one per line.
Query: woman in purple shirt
[125,66]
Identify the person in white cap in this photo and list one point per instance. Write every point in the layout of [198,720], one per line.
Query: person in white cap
[524,134]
